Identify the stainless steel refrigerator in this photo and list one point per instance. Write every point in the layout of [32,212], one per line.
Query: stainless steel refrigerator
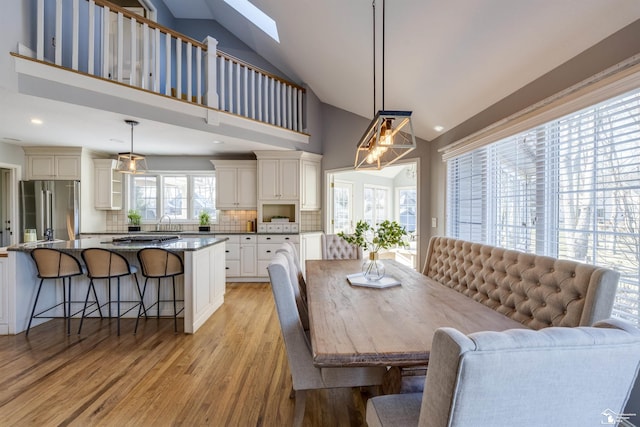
[52,208]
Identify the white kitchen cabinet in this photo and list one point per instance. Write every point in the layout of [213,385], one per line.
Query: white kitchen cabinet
[236,184]
[240,256]
[107,184]
[61,163]
[310,247]
[310,199]
[248,256]
[278,179]
[289,181]
[268,244]
[4,297]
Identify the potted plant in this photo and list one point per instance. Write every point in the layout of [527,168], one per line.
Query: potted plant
[386,235]
[134,219]
[204,221]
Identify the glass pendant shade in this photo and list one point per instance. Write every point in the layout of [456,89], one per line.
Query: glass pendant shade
[388,138]
[131,162]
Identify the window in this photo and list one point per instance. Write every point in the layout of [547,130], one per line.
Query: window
[407,206]
[144,196]
[181,196]
[375,204]
[569,188]
[342,207]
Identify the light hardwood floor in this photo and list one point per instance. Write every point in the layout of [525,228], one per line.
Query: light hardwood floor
[232,372]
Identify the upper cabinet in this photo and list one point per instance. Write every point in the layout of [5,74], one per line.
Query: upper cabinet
[61,163]
[310,172]
[236,182]
[289,176]
[278,179]
[108,185]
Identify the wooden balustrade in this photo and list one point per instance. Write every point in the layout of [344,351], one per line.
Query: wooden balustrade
[111,42]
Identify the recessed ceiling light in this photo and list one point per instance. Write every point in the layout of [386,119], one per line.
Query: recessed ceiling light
[217,142]
[116,140]
[438,128]
[36,121]
[255,15]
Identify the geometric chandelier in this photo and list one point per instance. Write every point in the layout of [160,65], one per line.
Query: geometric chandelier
[131,162]
[389,136]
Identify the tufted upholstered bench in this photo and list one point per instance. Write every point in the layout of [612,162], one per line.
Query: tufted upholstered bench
[537,291]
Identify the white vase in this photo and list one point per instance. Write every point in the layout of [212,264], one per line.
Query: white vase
[373,268]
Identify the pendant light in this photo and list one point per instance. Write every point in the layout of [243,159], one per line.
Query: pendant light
[389,136]
[131,162]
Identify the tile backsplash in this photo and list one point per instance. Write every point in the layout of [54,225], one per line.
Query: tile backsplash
[228,222]
[311,221]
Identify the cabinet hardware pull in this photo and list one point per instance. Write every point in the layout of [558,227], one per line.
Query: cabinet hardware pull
[268,252]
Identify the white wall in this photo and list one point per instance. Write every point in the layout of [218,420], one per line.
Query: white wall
[14,21]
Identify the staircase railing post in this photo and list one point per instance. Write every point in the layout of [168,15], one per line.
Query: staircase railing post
[211,92]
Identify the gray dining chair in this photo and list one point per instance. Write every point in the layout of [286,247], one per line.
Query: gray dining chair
[305,376]
[559,376]
[297,280]
[335,247]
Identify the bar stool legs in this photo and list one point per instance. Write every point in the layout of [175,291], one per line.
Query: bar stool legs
[53,264]
[158,263]
[105,264]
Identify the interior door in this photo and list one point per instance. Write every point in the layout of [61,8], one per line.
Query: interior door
[5,229]
[342,208]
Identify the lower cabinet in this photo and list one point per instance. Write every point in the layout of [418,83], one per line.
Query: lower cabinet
[240,256]
[4,301]
[268,244]
[310,248]
[248,256]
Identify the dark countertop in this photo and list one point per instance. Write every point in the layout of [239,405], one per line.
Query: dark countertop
[179,245]
[194,233]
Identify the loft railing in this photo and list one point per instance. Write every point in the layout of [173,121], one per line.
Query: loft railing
[102,39]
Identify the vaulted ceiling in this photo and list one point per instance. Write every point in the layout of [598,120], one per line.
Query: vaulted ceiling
[445,60]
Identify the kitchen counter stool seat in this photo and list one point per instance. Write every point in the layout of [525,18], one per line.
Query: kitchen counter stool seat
[158,263]
[53,264]
[106,264]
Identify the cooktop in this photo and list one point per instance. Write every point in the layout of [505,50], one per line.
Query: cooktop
[145,239]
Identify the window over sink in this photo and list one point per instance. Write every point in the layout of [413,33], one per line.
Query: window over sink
[181,197]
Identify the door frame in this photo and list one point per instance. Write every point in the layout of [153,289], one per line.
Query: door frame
[15,172]
[328,197]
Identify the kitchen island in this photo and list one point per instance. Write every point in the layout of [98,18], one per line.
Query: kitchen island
[202,285]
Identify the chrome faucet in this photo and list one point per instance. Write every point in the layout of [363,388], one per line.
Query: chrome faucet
[48,234]
[160,222]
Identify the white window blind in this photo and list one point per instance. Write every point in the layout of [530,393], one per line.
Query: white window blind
[569,188]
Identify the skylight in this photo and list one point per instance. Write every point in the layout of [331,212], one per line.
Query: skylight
[255,15]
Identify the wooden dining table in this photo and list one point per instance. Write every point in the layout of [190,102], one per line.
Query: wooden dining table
[361,326]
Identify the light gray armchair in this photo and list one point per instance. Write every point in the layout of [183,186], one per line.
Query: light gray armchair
[297,281]
[305,376]
[335,247]
[555,376]
[294,265]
